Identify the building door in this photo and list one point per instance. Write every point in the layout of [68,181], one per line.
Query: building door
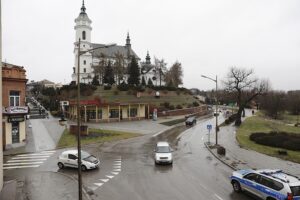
[15,131]
[3,136]
[121,114]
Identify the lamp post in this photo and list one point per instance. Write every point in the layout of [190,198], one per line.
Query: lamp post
[216,99]
[78,113]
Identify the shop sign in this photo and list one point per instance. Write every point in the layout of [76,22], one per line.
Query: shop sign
[16,110]
[15,119]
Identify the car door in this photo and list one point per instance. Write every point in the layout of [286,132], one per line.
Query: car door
[72,160]
[250,183]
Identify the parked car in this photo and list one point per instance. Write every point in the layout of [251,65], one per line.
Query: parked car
[267,184]
[163,153]
[190,121]
[70,159]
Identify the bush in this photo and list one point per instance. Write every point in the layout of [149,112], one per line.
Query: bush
[116,92]
[195,104]
[179,106]
[171,107]
[231,119]
[221,150]
[123,87]
[107,87]
[277,139]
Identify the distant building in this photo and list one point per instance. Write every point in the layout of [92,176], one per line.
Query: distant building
[88,60]
[44,83]
[14,110]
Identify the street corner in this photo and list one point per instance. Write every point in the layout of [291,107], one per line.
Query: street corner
[51,185]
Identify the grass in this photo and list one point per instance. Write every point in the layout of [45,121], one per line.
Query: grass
[261,124]
[173,122]
[290,119]
[95,136]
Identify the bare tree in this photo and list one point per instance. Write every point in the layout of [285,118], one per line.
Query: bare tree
[119,67]
[160,69]
[174,75]
[99,69]
[274,103]
[242,83]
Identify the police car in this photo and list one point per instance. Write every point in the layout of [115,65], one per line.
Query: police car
[267,184]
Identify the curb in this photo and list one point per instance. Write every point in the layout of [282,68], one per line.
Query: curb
[74,179]
[216,156]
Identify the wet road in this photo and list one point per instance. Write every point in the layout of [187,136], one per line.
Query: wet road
[128,170]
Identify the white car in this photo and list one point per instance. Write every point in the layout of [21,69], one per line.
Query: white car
[70,159]
[163,153]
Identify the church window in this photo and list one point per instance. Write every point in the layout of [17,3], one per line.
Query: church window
[84,70]
[83,35]
[74,70]
[84,62]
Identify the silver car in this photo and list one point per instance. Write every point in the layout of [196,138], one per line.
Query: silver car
[267,184]
[163,153]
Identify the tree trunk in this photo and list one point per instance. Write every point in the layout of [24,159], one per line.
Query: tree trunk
[238,120]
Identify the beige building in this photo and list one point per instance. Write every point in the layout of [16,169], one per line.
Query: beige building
[95,111]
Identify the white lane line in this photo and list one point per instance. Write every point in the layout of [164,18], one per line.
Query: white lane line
[93,188]
[30,157]
[48,151]
[104,180]
[13,161]
[98,184]
[32,163]
[117,164]
[218,196]
[17,167]
[35,154]
[109,176]
[117,170]
[115,173]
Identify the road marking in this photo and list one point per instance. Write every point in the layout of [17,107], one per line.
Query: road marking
[12,161]
[218,197]
[30,157]
[117,164]
[104,180]
[16,167]
[117,167]
[109,176]
[35,154]
[115,173]
[32,163]
[118,161]
[117,170]
[48,151]
[98,184]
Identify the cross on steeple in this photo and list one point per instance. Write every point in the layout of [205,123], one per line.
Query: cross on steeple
[83,8]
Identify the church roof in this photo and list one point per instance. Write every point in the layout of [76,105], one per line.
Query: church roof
[112,50]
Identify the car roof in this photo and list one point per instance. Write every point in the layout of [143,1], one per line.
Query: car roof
[162,144]
[73,151]
[280,175]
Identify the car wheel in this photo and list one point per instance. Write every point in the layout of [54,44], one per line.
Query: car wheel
[236,186]
[60,165]
[83,168]
[270,198]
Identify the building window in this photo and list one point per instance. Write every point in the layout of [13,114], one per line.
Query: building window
[84,70]
[99,113]
[83,35]
[73,70]
[114,113]
[14,98]
[133,112]
[84,62]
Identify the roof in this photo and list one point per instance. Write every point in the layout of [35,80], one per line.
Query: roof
[280,175]
[110,51]
[10,66]
[162,144]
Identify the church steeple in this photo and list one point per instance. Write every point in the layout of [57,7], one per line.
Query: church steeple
[83,8]
[148,59]
[128,40]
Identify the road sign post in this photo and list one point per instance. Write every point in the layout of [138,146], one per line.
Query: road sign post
[209,127]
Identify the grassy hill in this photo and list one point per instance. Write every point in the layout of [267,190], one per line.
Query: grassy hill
[179,98]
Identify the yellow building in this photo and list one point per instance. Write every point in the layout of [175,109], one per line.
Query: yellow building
[95,111]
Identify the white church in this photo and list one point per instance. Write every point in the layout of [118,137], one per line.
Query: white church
[90,59]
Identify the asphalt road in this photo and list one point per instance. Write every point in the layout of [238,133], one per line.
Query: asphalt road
[128,170]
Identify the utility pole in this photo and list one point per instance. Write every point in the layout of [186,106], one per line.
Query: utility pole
[78,126]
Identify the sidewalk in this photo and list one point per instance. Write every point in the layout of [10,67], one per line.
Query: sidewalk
[239,158]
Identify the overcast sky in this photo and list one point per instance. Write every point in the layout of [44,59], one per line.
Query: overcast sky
[206,36]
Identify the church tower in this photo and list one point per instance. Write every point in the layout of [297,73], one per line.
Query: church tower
[83,31]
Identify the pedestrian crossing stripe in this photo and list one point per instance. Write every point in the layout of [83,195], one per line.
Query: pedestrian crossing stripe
[18,160]
[25,166]
[12,164]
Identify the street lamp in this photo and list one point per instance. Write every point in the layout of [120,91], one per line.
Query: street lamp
[78,113]
[216,99]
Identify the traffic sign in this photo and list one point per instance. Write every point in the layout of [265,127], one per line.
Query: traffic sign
[209,126]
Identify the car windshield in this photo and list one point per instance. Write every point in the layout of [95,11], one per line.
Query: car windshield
[296,190]
[85,154]
[162,149]
[90,158]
